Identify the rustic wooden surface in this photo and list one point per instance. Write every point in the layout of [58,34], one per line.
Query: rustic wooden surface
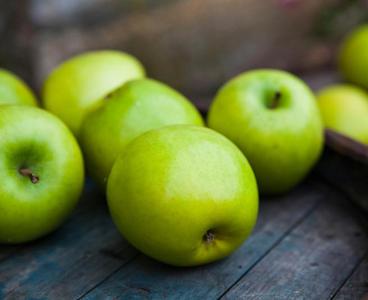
[309,244]
[355,288]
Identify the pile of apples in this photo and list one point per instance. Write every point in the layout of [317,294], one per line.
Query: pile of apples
[179,192]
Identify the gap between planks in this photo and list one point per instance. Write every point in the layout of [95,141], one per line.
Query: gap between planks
[331,233]
[301,202]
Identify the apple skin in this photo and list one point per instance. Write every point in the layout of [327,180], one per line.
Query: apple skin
[353,57]
[136,107]
[282,143]
[14,90]
[184,195]
[34,140]
[76,86]
[344,108]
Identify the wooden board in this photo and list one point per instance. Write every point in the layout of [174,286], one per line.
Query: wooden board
[144,275]
[312,261]
[306,244]
[356,287]
[70,261]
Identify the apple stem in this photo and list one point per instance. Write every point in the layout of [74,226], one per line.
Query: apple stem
[209,237]
[275,101]
[27,172]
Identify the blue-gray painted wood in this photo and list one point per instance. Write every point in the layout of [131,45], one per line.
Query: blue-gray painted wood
[313,261]
[356,287]
[144,277]
[304,241]
[68,263]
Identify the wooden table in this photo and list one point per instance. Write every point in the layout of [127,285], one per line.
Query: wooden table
[308,244]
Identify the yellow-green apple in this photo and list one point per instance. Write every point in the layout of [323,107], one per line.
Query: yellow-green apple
[183,194]
[41,172]
[14,90]
[353,56]
[136,107]
[77,85]
[272,116]
[344,108]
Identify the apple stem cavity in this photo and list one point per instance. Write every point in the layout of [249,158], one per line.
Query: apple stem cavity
[109,95]
[209,237]
[28,173]
[275,100]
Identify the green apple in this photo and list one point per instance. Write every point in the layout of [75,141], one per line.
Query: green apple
[344,108]
[41,173]
[14,90]
[272,116]
[183,194]
[75,87]
[353,57]
[136,107]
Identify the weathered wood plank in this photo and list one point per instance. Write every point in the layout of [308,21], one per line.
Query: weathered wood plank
[87,200]
[144,277]
[313,261]
[66,264]
[356,288]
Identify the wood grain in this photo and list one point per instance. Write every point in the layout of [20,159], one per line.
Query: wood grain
[313,261]
[356,288]
[69,262]
[144,277]
[301,236]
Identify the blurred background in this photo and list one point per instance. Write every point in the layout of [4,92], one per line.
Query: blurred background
[193,45]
